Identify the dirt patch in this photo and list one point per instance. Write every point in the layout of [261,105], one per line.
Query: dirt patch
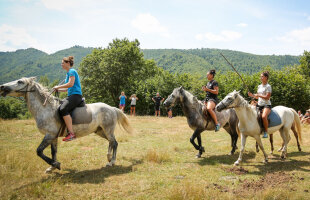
[270,180]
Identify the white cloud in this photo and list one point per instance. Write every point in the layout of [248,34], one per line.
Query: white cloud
[302,36]
[146,23]
[12,38]
[224,36]
[308,18]
[242,25]
[58,4]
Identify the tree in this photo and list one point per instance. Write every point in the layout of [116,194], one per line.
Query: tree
[120,66]
[305,64]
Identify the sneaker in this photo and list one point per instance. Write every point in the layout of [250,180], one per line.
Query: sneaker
[217,127]
[70,137]
[265,134]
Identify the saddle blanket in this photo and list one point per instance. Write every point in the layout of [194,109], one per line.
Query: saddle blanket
[274,119]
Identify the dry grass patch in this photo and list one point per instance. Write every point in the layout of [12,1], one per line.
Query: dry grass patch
[157,157]
[157,161]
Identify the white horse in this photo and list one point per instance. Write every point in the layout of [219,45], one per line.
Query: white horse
[98,118]
[248,124]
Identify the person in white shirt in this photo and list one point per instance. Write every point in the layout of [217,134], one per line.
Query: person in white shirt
[263,95]
[133,103]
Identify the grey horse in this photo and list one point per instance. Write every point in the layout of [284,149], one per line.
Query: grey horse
[193,110]
[98,118]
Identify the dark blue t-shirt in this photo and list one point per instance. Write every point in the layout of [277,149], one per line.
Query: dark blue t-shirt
[76,88]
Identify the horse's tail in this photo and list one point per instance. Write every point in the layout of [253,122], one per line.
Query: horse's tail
[122,119]
[297,124]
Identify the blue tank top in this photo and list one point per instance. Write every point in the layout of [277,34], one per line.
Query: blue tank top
[122,100]
[76,88]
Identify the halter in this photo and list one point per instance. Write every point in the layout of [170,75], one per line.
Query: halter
[225,106]
[26,86]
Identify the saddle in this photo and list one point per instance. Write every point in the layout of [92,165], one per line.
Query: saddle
[273,119]
[80,115]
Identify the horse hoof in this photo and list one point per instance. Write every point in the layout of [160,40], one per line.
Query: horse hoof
[109,157]
[265,161]
[198,155]
[299,149]
[50,169]
[231,153]
[236,163]
[202,149]
[110,164]
[56,165]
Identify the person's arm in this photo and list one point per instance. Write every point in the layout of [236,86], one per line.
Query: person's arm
[125,97]
[266,97]
[162,99]
[137,98]
[214,91]
[153,99]
[65,87]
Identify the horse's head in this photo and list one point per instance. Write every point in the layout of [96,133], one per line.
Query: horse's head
[174,97]
[228,102]
[17,88]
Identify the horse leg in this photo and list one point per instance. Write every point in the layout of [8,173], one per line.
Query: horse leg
[112,144]
[286,138]
[271,143]
[243,140]
[256,145]
[47,140]
[192,140]
[296,136]
[234,137]
[54,155]
[201,149]
[260,144]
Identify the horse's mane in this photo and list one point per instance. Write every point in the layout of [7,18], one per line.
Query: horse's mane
[195,102]
[43,91]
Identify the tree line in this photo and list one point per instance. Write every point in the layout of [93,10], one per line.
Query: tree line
[122,66]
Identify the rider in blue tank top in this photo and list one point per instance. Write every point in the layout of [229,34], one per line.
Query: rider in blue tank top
[76,88]
[73,86]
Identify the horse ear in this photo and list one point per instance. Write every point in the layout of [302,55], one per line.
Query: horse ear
[181,89]
[34,78]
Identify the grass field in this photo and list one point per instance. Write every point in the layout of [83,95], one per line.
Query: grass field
[157,161]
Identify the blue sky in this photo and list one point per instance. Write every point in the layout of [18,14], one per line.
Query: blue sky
[260,27]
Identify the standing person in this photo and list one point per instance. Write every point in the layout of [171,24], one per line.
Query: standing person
[122,101]
[263,95]
[157,100]
[300,114]
[73,86]
[133,103]
[170,112]
[212,91]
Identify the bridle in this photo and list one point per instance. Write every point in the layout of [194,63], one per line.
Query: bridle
[25,91]
[226,105]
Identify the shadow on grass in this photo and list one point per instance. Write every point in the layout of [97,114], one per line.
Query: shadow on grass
[225,159]
[277,164]
[94,176]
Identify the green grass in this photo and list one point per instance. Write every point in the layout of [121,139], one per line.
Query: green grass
[157,161]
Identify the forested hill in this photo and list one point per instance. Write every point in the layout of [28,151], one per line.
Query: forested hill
[201,60]
[32,62]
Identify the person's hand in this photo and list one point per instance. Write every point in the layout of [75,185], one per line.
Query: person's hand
[203,88]
[56,88]
[250,94]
